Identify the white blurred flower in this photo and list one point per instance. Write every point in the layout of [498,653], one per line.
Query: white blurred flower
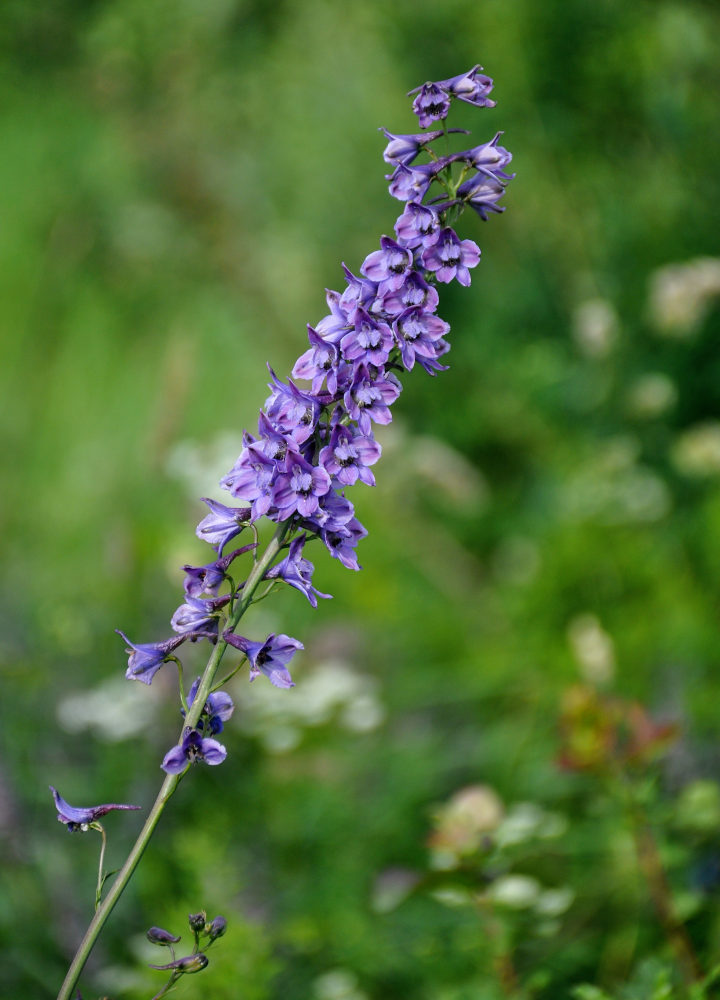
[696,451]
[333,691]
[595,327]
[338,984]
[592,648]
[613,488]
[462,822]
[115,710]
[681,294]
[196,464]
[553,902]
[518,892]
[651,395]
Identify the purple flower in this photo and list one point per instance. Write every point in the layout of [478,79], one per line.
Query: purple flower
[269,657]
[334,511]
[252,478]
[431,365]
[430,105]
[451,257]
[471,87]
[370,397]
[299,488]
[359,293]
[348,455]
[404,148]
[147,658]
[341,542]
[330,327]
[415,291]
[412,183]
[290,410]
[194,747]
[389,265]
[217,709]
[482,193]
[80,819]
[198,618]
[416,224]
[489,155]
[297,571]
[369,342]
[318,363]
[222,523]
[418,333]
[208,579]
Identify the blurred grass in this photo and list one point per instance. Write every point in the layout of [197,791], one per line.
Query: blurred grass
[179,182]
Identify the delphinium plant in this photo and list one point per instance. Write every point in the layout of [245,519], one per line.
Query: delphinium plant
[311,444]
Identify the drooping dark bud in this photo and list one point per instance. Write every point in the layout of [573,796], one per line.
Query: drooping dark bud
[190,963]
[217,928]
[197,921]
[156,935]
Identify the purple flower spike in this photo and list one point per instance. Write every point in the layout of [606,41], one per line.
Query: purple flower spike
[194,747]
[222,523]
[431,105]
[451,257]
[147,658]
[297,572]
[269,657]
[80,819]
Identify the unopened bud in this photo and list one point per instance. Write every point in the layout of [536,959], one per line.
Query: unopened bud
[192,963]
[162,937]
[197,921]
[217,928]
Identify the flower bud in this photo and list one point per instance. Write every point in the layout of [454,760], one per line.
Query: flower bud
[156,935]
[197,921]
[217,928]
[192,963]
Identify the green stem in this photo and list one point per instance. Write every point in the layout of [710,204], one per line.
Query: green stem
[171,781]
[101,864]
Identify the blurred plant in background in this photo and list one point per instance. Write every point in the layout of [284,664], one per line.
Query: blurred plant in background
[575,519]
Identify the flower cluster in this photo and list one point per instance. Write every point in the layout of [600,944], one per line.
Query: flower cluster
[314,441]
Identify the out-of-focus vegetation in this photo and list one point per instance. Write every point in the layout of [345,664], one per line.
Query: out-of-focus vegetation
[497,775]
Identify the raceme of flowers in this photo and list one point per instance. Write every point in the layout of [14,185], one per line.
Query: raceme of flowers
[315,441]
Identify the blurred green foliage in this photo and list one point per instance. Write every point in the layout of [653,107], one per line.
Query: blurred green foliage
[179,182]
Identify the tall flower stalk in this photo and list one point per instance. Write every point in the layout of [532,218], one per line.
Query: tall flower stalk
[314,442]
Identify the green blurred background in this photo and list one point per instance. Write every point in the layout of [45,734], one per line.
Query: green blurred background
[179,181]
